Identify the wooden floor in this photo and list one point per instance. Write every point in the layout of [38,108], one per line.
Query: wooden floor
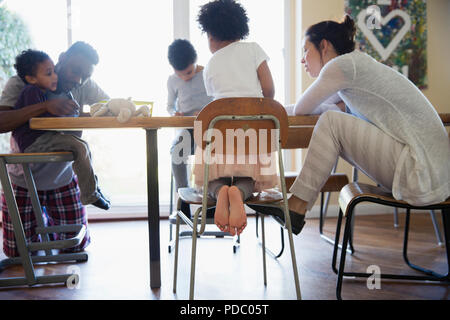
[118,266]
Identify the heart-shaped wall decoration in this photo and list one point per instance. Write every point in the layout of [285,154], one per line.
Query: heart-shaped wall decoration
[384,52]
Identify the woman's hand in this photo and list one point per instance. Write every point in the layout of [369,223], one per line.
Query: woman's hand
[341,105]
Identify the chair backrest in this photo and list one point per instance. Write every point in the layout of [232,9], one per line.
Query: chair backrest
[252,128]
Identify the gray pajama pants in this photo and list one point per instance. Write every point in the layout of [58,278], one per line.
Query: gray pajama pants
[245,184]
[82,165]
[182,147]
[359,142]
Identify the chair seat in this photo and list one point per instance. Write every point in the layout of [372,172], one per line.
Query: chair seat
[364,192]
[17,158]
[335,182]
[193,196]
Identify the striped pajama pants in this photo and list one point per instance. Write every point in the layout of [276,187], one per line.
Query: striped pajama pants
[63,206]
[359,142]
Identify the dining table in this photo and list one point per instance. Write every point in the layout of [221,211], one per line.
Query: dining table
[300,131]
[151,126]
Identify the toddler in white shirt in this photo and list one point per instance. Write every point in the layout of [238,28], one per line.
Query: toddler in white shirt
[236,69]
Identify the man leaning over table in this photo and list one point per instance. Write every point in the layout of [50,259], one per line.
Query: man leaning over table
[56,183]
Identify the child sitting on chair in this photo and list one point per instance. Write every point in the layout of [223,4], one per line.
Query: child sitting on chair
[236,69]
[37,70]
[186,97]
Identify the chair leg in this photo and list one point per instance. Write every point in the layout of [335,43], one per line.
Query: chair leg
[236,243]
[322,215]
[263,235]
[170,212]
[193,256]
[395,217]
[256,223]
[17,225]
[175,263]
[276,256]
[336,241]
[282,243]
[436,228]
[405,249]
[323,209]
[345,240]
[294,264]
[292,249]
[350,249]
[446,223]
[350,238]
[37,209]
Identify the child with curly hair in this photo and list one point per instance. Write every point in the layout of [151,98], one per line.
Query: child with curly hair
[37,70]
[236,69]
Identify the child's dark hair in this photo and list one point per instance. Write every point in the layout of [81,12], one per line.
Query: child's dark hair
[224,20]
[27,62]
[84,49]
[341,35]
[181,54]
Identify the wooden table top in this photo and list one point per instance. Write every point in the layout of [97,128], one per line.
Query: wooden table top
[77,123]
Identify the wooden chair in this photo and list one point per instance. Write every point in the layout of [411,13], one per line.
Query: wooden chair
[354,193]
[237,113]
[26,249]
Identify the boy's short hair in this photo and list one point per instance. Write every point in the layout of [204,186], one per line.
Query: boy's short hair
[84,49]
[224,20]
[27,62]
[181,54]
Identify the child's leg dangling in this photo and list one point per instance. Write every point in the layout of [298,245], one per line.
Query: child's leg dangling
[222,213]
[238,217]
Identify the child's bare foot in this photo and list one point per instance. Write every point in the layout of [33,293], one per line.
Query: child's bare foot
[222,213]
[238,217]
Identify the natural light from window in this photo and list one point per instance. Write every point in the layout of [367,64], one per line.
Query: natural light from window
[266,23]
[131,39]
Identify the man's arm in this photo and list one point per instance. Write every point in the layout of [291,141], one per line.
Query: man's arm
[11,118]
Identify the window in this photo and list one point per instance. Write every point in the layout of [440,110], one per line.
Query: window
[131,38]
[266,23]
[46,21]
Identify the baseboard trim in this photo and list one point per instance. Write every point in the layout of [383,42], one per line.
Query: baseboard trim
[140,212]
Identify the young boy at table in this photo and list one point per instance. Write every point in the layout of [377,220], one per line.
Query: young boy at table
[186,97]
[37,70]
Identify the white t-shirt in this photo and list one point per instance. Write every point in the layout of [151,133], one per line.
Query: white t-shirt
[384,97]
[232,71]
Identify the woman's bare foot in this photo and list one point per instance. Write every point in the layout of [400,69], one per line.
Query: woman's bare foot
[238,217]
[222,213]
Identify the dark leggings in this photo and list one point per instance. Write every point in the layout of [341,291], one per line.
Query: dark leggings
[245,184]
